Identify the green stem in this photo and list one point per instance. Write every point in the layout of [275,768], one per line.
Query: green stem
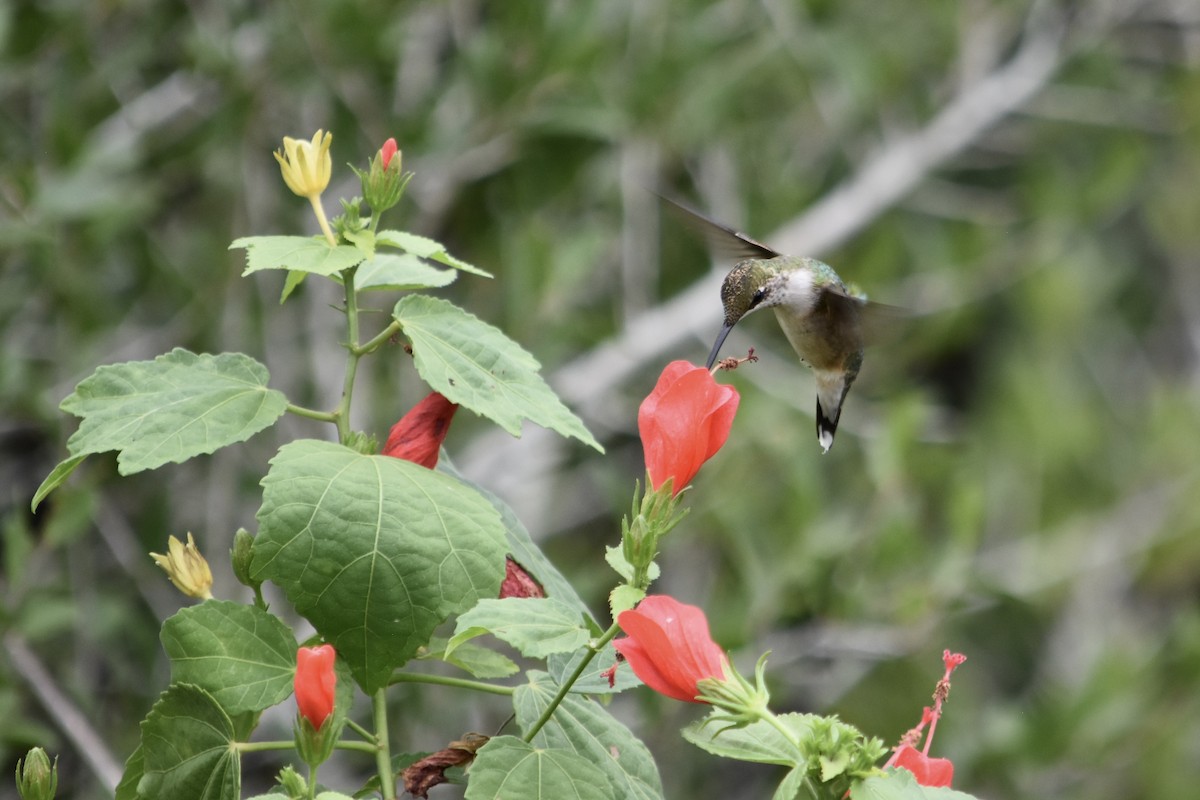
[383,757]
[301,411]
[258,747]
[377,341]
[607,637]
[442,680]
[362,747]
[774,722]
[312,781]
[363,732]
[341,414]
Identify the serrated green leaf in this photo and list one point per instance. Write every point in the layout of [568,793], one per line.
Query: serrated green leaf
[582,726]
[623,598]
[592,680]
[507,768]
[389,271]
[480,661]
[55,479]
[758,741]
[426,248]
[311,254]
[186,748]
[374,551]
[172,408]
[127,788]
[243,656]
[535,626]
[792,786]
[475,365]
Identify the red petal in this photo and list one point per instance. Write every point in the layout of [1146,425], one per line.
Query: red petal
[387,151]
[419,434]
[928,771]
[669,646]
[315,683]
[683,422]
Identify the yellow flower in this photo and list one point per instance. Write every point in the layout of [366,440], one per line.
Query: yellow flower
[306,166]
[186,568]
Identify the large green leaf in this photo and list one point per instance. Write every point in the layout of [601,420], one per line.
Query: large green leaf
[391,271]
[536,626]
[127,788]
[758,741]
[244,656]
[477,366]
[584,727]
[297,253]
[186,749]
[374,551]
[172,408]
[508,768]
[426,248]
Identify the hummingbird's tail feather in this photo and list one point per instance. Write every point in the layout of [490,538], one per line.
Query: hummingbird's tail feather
[826,426]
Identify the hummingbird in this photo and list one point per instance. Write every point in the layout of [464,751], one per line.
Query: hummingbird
[821,317]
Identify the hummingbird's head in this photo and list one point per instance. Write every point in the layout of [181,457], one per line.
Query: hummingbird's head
[748,286]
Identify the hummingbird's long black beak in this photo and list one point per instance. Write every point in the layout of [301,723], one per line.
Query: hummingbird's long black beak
[712,357]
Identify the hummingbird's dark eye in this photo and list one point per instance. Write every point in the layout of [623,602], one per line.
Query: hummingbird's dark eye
[757,297]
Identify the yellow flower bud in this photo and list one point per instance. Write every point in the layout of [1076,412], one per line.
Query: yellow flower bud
[306,166]
[186,568]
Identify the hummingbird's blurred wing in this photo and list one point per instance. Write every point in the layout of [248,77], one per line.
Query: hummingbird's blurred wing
[877,321]
[724,241]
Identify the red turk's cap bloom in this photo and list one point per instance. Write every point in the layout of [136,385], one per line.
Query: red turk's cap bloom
[316,683]
[387,151]
[420,432]
[684,422]
[669,646]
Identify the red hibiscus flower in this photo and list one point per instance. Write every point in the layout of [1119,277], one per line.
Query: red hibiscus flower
[419,434]
[684,422]
[517,582]
[669,647]
[928,771]
[316,683]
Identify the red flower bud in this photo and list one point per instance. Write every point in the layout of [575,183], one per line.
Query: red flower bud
[669,647]
[316,683]
[419,433]
[684,422]
[387,151]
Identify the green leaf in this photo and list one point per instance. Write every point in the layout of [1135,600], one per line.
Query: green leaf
[426,248]
[297,253]
[375,551]
[244,656]
[900,784]
[135,766]
[562,665]
[758,741]
[526,552]
[507,768]
[582,726]
[55,479]
[475,365]
[167,410]
[186,742]
[391,271]
[480,661]
[623,598]
[792,786]
[536,626]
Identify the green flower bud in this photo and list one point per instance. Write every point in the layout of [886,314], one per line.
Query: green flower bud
[37,778]
[293,783]
[240,556]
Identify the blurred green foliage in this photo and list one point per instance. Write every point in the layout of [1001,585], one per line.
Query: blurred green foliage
[1016,475]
